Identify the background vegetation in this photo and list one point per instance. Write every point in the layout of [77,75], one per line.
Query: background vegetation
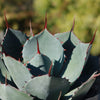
[60,17]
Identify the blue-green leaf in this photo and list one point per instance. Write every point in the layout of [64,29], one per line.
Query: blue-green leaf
[29,49]
[18,71]
[69,41]
[77,61]
[48,46]
[10,93]
[63,37]
[3,71]
[47,88]
[13,43]
[41,62]
[81,91]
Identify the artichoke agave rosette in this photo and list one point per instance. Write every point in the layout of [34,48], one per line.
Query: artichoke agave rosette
[43,65]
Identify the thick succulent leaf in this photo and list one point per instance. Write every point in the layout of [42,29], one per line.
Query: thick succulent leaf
[41,62]
[18,71]
[10,93]
[4,72]
[19,35]
[29,49]
[13,43]
[77,62]
[91,66]
[47,88]
[69,42]
[63,37]
[81,91]
[48,46]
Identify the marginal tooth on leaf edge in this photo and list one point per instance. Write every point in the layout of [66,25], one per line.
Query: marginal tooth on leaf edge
[65,56]
[32,76]
[38,51]
[93,37]
[49,73]
[19,60]
[73,25]
[7,25]
[29,69]
[24,64]
[65,49]
[61,42]
[45,26]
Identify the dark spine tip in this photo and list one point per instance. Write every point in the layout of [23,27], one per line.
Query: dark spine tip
[59,95]
[93,37]
[73,25]
[38,51]
[31,32]
[45,26]
[96,75]
[7,25]
[49,73]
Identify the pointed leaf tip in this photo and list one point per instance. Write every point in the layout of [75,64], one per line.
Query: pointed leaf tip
[96,75]
[60,95]
[7,25]
[45,21]
[38,51]
[31,32]
[73,25]
[49,73]
[93,37]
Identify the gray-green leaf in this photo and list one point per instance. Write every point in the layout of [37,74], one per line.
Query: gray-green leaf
[77,61]
[48,46]
[18,71]
[4,70]
[47,88]
[81,91]
[10,93]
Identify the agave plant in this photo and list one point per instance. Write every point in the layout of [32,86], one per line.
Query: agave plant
[43,66]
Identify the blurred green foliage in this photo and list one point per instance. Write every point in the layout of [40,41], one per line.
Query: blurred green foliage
[60,15]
